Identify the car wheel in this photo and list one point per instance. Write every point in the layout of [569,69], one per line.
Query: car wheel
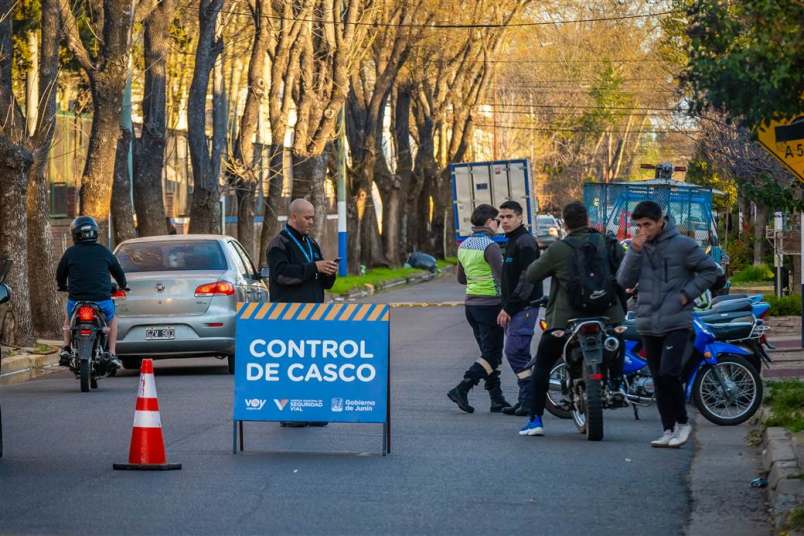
[230,362]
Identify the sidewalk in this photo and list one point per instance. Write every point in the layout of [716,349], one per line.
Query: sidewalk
[27,363]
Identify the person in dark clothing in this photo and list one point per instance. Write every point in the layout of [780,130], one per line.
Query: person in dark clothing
[83,271]
[556,263]
[298,272]
[480,269]
[517,316]
[672,271]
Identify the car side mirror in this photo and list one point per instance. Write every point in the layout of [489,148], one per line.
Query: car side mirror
[265,272]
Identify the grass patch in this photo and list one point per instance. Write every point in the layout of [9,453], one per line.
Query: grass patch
[786,401]
[784,306]
[759,273]
[374,277]
[795,519]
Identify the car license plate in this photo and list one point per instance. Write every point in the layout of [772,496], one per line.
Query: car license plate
[160,333]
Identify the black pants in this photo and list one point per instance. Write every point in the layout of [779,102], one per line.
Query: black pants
[549,351]
[666,356]
[489,337]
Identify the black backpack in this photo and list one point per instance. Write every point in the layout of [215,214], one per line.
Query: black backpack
[591,288]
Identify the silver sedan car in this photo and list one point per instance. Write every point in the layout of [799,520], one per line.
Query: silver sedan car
[183,296]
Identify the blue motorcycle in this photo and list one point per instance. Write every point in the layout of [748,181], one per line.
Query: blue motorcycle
[720,379]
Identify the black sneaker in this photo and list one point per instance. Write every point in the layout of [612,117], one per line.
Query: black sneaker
[292,424]
[111,362]
[65,356]
[317,424]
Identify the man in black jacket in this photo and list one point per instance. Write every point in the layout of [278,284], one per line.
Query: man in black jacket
[298,271]
[518,317]
[84,271]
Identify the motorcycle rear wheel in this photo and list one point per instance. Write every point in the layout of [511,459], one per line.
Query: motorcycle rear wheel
[594,410]
[83,374]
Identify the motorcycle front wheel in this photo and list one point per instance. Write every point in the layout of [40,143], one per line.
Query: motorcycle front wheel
[741,378]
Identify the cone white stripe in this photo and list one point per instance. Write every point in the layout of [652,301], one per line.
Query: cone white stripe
[147,419]
[147,386]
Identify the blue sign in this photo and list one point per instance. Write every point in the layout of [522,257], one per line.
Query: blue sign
[312,362]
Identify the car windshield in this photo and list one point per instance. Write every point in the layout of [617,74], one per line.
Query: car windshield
[545,221]
[171,255]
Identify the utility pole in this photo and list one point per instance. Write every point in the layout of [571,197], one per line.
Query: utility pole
[343,264]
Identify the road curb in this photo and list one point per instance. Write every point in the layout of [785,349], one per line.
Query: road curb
[23,367]
[370,290]
[783,460]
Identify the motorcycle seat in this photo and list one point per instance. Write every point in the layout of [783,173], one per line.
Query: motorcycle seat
[741,304]
[728,297]
[717,317]
[731,331]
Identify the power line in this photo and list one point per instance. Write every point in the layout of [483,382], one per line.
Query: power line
[462,26]
[580,107]
[581,130]
[629,60]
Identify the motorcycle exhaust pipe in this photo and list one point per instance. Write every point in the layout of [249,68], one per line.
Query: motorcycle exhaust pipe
[611,344]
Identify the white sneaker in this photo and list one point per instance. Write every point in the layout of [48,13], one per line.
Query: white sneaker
[663,441]
[680,436]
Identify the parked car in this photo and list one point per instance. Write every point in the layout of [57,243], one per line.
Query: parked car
[547,230]
[183,296]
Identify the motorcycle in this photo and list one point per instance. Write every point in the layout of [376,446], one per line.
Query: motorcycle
[89,338]
[581,373]
[5,295]
[719,378]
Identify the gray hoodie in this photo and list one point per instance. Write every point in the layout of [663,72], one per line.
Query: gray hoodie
[667,267]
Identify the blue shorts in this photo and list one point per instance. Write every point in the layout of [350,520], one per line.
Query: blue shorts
[107,306]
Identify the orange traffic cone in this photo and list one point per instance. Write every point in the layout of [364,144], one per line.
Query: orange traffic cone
[147,452]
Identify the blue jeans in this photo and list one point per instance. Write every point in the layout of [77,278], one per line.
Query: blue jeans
[107,306]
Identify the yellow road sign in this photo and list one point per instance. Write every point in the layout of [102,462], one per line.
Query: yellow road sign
[785,140]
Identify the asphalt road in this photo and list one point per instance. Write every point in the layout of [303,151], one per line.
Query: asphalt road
[449,472]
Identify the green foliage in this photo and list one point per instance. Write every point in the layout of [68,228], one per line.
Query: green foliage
[786,401]
[784,306]
[753,273]
[746,58]
[740,253]
[701,171]
[769,192]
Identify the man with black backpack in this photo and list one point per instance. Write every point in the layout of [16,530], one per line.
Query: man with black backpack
[582,268]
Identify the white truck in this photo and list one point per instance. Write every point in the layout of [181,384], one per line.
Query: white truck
[493,183]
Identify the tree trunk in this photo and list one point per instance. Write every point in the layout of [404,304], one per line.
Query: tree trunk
[276,177]
[318,197]
[122,210]
[404,168]
[16,326]
[760,222]
[205,208]
[99,170]
[47,305]
[247,177]
[149,148]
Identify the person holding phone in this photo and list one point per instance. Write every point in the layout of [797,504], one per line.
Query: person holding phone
[298,271]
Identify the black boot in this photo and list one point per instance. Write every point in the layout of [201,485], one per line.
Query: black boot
[498,401]
[511,410]
[460,395]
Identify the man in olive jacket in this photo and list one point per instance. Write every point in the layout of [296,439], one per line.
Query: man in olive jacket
[671,270]
[555,263]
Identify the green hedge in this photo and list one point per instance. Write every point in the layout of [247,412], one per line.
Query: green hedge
[750,274]
[784,306]
[786,400]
